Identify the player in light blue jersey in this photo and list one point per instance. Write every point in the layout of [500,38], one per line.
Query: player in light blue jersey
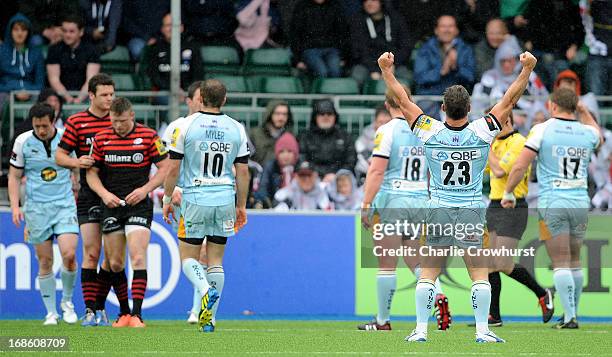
[49,208]
[210,146]
[396,191]
[563,146]
[456,152]
[194,105]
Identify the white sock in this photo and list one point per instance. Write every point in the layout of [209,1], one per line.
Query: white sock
[417,272]
[197,297]
[578,277]
[193,271]
[47,291]
[216,278]
[564,285]
[68,279]
[424,296]
[481,301]
[385,287]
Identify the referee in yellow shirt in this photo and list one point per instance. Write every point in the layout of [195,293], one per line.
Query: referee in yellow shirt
[506,227]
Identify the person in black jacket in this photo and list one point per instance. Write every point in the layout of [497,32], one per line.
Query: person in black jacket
[373,31]
[319,37]
[140,22]
[325,145]
[102,19]
[158,60]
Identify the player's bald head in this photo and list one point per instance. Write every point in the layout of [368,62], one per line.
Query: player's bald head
[456,103]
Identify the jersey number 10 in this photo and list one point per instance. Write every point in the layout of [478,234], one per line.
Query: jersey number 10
[216,162]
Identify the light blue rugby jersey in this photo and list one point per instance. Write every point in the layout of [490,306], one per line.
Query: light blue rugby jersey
[456,158]
[564,149]
[209,143]
[46,181]
[406,172]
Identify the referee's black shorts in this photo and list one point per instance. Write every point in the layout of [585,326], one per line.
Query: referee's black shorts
[89,206]
[508,222]
[115,219]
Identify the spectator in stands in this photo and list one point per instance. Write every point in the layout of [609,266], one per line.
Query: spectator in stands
[496,81]
[72,62]
[141,21]
[344,193]
[46,17]
[319,37]
[158,61]
[443,60]
[21,66]
[258,24]
[597,21]
[304,193]
[325,145]
[484,51]
[277,172]
[364,145]
[374,31]
[277,118]
[553,31]
[211,22]
[102,20]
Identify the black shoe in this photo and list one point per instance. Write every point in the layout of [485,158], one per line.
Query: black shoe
[493,322]
[571,324]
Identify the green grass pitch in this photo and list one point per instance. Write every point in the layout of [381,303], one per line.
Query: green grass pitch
[313,338]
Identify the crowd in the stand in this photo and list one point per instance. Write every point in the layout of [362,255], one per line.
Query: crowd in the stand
[437,43]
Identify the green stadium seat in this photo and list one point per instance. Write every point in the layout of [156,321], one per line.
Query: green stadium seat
[124,82]
[234,84]
[220,59]
[117,61]
[287,85]
[374,87]
[335,86]
[271,61]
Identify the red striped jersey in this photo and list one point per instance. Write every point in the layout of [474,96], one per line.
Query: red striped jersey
[80,128]
[125,161]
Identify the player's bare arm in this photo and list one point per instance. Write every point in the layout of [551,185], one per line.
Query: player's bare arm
[63,159]
[242,190]
[94,182]
[374,178]
[172,175]
[516,89]
[154,182]
[14,181]
[410,110]
[521,165]
[587,118]
[496,169]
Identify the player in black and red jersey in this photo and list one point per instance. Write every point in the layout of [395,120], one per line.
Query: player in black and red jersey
[123,156]
[80,129]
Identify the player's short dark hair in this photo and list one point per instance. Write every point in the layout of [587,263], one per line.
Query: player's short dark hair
[100,79]
[41,110]
[192,88]
[456,102]
[213,93]
[381,110]
[74,19]
[565,98]
[121,105]
[390,99]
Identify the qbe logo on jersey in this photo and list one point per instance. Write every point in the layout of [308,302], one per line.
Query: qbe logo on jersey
[163,268]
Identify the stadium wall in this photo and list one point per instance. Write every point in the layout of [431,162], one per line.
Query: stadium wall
[297,264]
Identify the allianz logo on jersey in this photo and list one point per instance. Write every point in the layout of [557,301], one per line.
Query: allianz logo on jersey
[136,158]
[18,267]
[456,155]
[571,151]
[214,146]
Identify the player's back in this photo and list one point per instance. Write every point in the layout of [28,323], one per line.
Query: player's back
[406,172]
[212,142]
[564,150]
[457,157]
[46,181]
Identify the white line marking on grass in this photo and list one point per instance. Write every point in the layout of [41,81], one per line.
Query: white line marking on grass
[405,353]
